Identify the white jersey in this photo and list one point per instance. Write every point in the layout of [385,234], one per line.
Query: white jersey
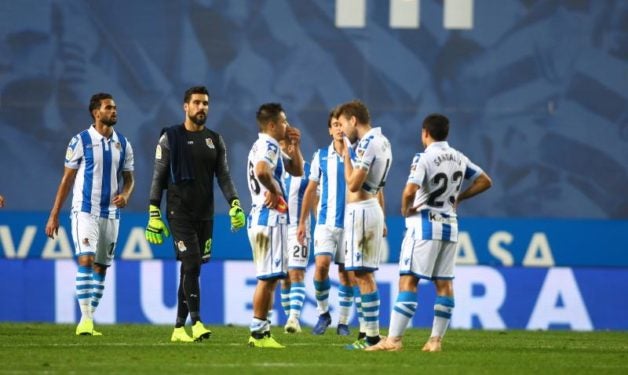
[439,171]
[295,189]
[375,155]
[266,150]
[100,162]
[328,171]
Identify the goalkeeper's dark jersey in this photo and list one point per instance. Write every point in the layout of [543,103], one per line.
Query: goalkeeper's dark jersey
[191,196]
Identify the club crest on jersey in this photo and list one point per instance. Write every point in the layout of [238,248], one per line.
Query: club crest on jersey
[181,246]
[118,146]
[209,143]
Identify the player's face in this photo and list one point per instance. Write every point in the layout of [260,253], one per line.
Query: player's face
[336,129]
[196,109]
[348,127]
[107,113]
[280,127]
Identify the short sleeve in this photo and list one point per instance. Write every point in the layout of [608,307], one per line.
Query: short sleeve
[365,154]
[74,153]
[417,171]
[315,168]
[128,158]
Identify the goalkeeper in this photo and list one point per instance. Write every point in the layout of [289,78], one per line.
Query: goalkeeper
[187,158]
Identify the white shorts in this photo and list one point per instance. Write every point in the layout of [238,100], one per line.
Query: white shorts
[427,259]
[364,230]
[93,235]
[298,255]
[270,251]
[330,241]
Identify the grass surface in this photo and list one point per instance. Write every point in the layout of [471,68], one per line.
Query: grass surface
[145,349]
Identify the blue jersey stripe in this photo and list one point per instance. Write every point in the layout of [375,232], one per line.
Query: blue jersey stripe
[426,225]
[105,191]
[88,176]
[322,215]
[340,194]
[446,232]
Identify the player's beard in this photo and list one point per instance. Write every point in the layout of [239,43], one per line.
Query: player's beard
[199,118]
[111,121]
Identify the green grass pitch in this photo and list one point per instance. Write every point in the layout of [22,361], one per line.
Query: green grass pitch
[145,349]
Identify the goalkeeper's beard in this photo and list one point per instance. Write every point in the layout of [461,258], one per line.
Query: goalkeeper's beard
[199,118]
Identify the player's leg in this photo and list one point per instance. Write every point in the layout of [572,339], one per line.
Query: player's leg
[345,301]
[179,334]
[298,256]
[84,235]
[105,250]
[444,302]
[324,250]
[285,296]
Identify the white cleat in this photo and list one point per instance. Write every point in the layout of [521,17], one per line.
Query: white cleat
[292,326]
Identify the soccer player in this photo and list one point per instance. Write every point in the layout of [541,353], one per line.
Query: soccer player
[99,164]
[327,173]
[268,219]
[428,250]
[187,159]
[293,287]
[364,216]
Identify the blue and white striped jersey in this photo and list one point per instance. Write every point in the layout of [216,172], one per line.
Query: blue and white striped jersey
[100,162]
[327,170]
[265,149]
[439,171]
[295,188]
[374,154]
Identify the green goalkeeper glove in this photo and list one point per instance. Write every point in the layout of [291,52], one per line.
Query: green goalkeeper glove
[237,215]
[155,227]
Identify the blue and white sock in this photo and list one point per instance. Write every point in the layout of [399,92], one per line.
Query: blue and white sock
[297,297]
[370,309]
[443,308]
[258,327]
[83,288]
[285,300]
[322,295]
[98,288]
[357,297]
[402,313]
[345,299]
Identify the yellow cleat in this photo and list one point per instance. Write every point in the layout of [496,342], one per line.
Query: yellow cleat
[265,342]
[96,333]
[179,335]
[85,327]
[433,345]
[199,332]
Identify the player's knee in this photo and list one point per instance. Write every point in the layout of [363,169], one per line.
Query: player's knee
[191,266]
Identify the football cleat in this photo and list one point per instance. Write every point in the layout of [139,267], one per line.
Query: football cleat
[96,333]
[265,342]
[433,344]
[343,330]
[359,344]
[179,335]
[199,332]
[292,326]
[85,327]
[388,345]
[324,320]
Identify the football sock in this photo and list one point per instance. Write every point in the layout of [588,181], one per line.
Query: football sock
[98,287]
[83,287]
[370,309]
[182,307]
[192,291]
[297,297]
[443,307]
[357,297]
[322,295]
[345,298]
[285,300]
[402,313]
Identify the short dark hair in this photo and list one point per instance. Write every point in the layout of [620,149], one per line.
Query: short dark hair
[268,112]
[355,108]
[332,115]
[437,126]
[194,90]
[95,101]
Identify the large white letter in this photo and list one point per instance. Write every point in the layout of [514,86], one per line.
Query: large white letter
[485,307]
[539,253]
[351,13]
[64,250]
[494,247]
[240,281]
[25,243]
[137,240]
[560,283]
[465,253]
[152,293]
[458,14]
[404,14]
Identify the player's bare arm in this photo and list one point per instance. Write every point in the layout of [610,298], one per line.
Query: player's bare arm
[294,166]
[122,199]
[479,185]
[264,176]
[382,204]
[309,199]
[407,197]
[52,226]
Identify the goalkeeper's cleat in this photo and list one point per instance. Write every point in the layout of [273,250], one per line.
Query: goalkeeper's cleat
[324,320]
[85,327]
[343,330]
[292,326]
[433,344]
[359,344]
[96,333]
[199,332]
[387,344]
[179,335]
[265,342]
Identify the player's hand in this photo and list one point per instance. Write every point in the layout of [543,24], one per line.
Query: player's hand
[293,135]
[301,234]
[238,219]
[120,200]
[155,227]
[52,226]
[385,230]
[207,251]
